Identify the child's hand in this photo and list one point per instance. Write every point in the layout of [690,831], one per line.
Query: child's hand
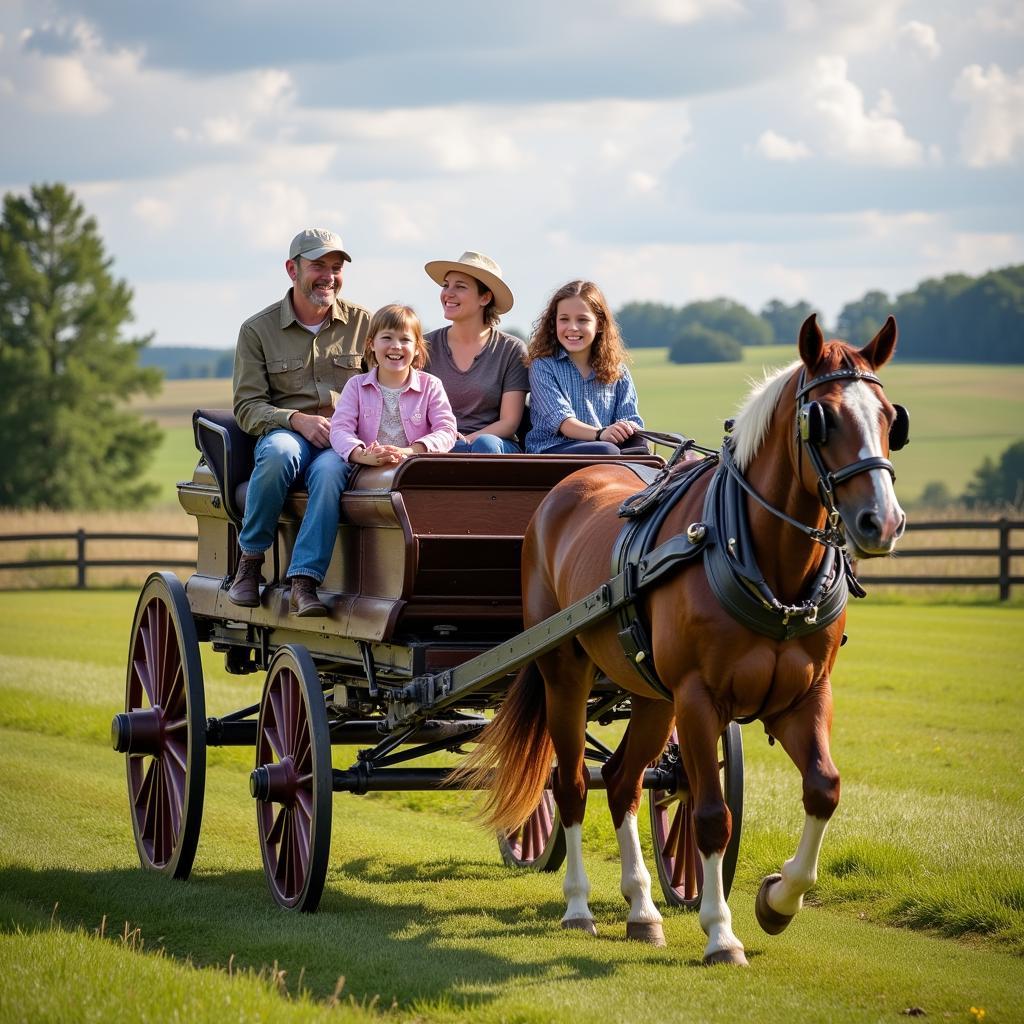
[391,454]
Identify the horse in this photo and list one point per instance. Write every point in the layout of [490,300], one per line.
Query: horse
[825,410]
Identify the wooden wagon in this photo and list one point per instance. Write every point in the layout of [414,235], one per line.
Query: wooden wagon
[423,635]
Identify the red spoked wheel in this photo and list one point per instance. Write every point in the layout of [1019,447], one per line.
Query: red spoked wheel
[539,845]
[163,728]
[292,781]
[675,844]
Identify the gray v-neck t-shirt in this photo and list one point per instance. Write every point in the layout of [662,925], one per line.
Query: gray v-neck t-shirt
[475,394]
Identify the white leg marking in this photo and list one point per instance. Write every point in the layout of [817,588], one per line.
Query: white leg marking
[715,916]
[576,885]
[636,879]
[800,872]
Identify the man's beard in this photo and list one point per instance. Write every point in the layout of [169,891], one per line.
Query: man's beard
[318,300]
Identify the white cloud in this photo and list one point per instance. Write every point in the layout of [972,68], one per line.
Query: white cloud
[853,132]
[773,146]
[993,130]
[685,12]
[640,183]
[1004,17]
[227,130]
[154,213]
[921,37]
[63,85]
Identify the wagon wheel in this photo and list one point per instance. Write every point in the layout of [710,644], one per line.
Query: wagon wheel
[292,780]
[539,843]
[163,728]
[675,845]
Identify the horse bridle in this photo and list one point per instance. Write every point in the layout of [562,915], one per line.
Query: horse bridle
[811,434]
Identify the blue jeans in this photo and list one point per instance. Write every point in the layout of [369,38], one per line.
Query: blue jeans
[631,446]
[282,457]
[488,444]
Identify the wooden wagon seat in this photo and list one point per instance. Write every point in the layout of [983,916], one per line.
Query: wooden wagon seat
[441,535]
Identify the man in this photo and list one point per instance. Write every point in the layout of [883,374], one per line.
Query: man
[291,363]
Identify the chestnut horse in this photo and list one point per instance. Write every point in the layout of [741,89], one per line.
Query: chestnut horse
[810,447]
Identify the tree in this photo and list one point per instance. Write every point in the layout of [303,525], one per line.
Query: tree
[786,321]
[697,344]
[66,438]
[999,483]
[859,321]
[728,317]
[648,324]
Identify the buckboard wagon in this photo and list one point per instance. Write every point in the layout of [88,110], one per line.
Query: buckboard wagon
[423,636]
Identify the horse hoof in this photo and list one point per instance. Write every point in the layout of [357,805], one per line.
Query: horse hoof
[580,924]
[643,931]
[769,919]
[735,957]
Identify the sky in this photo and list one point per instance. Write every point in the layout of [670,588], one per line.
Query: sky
[669,150]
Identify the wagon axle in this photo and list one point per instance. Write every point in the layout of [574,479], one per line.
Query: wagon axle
[268,781]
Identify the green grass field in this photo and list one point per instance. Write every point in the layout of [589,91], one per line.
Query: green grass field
[959,414]
[920,899]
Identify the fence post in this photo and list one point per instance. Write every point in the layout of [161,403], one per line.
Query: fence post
[80,537]
[1004,559]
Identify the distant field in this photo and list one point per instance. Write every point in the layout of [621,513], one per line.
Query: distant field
[959,413]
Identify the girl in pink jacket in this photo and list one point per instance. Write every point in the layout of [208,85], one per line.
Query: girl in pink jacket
[395,410]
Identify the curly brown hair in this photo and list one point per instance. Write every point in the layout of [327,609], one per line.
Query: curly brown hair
[396,317]
[608,353]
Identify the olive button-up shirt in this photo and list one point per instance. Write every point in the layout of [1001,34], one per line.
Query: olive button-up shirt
[281,368]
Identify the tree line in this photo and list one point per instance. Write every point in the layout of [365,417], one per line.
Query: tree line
[956,318]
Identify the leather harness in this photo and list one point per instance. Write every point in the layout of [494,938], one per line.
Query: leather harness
[723,538]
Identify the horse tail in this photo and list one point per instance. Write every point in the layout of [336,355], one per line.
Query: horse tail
[513,758]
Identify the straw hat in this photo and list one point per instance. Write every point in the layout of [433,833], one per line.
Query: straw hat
[477,265]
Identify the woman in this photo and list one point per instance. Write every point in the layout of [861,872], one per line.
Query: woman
[482,368]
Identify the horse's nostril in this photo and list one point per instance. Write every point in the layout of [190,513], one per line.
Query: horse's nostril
[868,524]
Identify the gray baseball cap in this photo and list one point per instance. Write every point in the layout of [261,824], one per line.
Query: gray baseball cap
[313,243]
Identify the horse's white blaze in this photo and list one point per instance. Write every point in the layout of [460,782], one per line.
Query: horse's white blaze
[636,879]
[865,412]
[576,885]
[715,916]
[800,872]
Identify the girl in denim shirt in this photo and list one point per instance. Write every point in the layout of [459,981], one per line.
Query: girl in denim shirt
[582,398]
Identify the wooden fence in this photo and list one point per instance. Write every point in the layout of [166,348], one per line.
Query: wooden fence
[81,563]
[1002,555]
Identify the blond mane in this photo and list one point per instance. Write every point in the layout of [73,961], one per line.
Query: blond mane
[754,416]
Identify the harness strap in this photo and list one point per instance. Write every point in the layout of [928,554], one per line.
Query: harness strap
[640,564]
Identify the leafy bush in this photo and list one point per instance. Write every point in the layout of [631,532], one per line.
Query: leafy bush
[697,344]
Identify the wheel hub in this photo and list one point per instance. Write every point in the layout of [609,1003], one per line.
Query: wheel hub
[138,732]
[274,783]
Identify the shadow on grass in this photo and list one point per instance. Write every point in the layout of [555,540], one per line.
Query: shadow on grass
[453,949]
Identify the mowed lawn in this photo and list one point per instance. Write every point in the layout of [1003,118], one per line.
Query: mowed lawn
[919,904]
[959,413]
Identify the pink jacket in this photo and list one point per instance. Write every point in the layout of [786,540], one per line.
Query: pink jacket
[426,413]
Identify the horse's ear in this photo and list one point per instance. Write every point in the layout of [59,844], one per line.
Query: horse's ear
[811,343]
[878,351]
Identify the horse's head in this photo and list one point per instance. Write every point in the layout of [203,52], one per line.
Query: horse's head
[847,427]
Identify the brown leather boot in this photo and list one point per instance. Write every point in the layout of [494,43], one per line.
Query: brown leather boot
[245,590]
[304,600]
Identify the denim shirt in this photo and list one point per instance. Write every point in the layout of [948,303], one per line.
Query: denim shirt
[558,391]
